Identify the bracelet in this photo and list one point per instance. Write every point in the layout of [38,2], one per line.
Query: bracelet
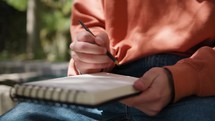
[171,82]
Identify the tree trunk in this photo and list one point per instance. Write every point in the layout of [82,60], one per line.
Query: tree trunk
[33,29]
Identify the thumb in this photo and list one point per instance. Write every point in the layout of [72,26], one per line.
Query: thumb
[101,42]
[145,82]
[140,85]
[102,39]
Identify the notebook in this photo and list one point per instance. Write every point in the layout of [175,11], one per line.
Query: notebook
[86,90]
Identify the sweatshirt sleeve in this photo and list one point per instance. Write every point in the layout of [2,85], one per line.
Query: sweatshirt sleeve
[195,75]
[91,13]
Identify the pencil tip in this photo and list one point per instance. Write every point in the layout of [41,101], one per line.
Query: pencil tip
[116,62]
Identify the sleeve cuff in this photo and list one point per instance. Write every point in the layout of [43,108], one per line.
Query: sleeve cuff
[185,80]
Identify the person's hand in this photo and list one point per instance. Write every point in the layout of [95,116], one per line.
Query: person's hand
[89,52]
[156,92]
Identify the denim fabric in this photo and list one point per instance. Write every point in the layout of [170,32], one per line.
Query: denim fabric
[139,67]
[188,109]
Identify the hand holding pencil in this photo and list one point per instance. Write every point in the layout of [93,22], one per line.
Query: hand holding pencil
[107,53]
[90,53]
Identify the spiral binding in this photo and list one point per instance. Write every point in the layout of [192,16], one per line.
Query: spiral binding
[47,99]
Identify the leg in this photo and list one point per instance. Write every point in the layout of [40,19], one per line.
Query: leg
[189,109]
[37,112]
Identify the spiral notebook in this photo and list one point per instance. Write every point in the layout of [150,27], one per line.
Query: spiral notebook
[87,89]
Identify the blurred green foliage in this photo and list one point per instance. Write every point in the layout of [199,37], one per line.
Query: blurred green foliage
[20,5]
[54,37]
[55,26]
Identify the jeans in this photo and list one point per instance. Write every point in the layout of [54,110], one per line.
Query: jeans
[189,109]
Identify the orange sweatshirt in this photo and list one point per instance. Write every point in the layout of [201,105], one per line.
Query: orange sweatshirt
[138,28]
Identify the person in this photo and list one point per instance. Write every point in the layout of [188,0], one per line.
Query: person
[168,44]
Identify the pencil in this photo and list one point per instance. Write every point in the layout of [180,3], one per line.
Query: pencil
[108,53]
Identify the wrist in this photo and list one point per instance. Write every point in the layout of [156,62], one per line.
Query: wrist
[171,83]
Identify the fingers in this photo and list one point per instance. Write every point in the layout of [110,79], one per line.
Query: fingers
[146,80]
[89,52]
[87,48]
[146,97]
[85,37]
[87,63]
[88,66]
[99,41]
[87,43]
[102,40]
[155,95]
[90,58]
[150,108]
